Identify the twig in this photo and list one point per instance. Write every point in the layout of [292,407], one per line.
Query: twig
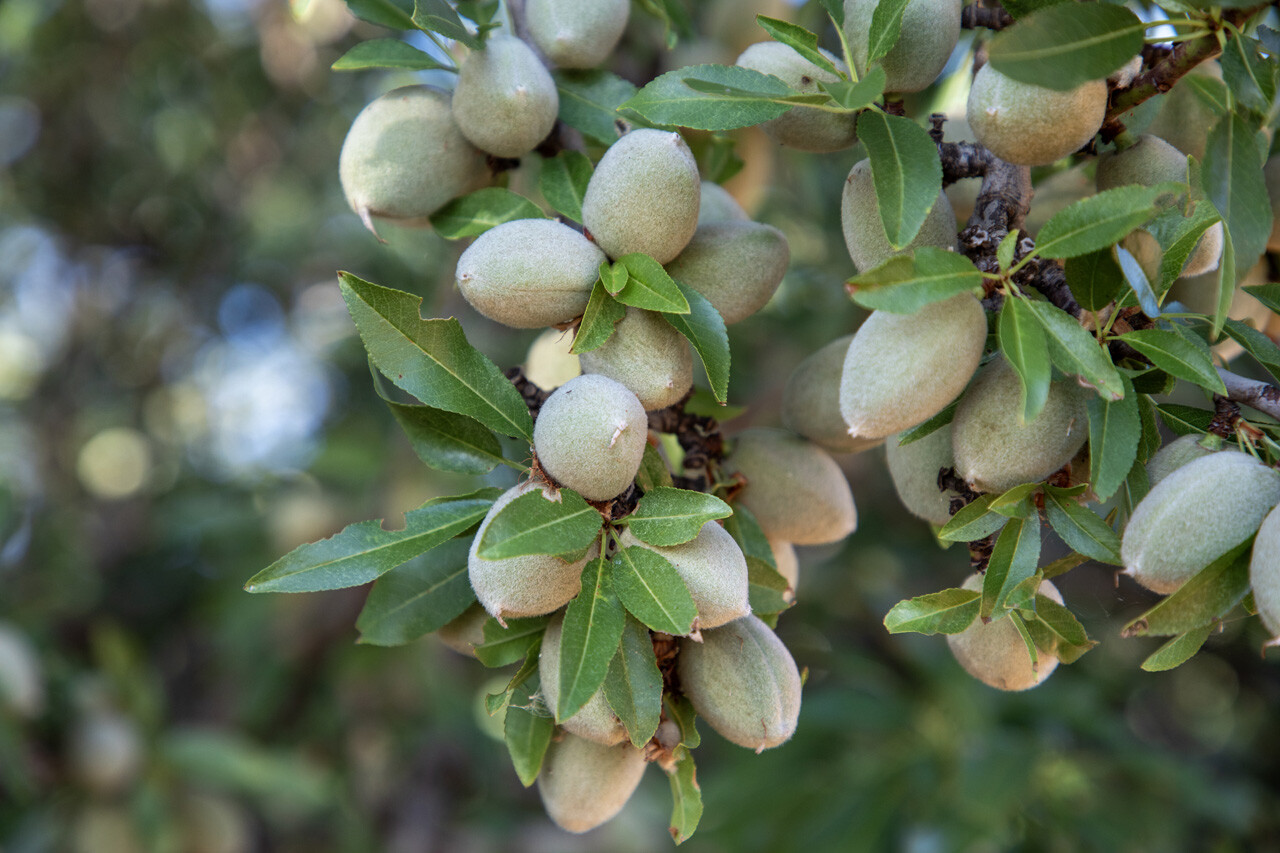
[992,17]
[1253,393]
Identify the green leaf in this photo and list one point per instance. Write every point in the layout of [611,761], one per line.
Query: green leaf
[1076,352]
[447,441]
[929,427]
[1095,279]
[1115,426]
[704,327]
[1151,438]
[667,516]
[766,588]
[653,473]
[503,646]
[437,16]
[614,277]
[496,703]
[1033,650]
[563,182]
[686,797]
[592,630]
[1016,502]
[475,213]
[1179,650]
[946,612]
[598,320]
[1099,221]
[385,53]
[364,551]
[746,97]
[798,39]
[418,597]
[1227,277]
[633,686]
[835,8]
[393,14]
[1021,8]
[854,96]
[749,535]
[650,587]
[974,521]
[1024,346]
[886,29]
[1007,249]
[1178,235]
[904,284]
[589,103]
[1248,74]
[1064,46]
[1232,179]
[536,524]
[1256,344]
[905,170]
[1013,559]
[1267,294]
[1184,420]
[1081,528]
[431,359]
[1177,357]
[1062,634]
[1062,566]
[1206,598]
[649,287]
[526,732]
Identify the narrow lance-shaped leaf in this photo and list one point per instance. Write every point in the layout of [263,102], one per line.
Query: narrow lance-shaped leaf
[1098,221]
[1256,344]
[633,686]
[475,213]
[1179,650]
[589,102]
[973,521]
[1013,560]
[886,29]
[563,181]
[749,535]
[1076,352]
[1095,279]
[747,97]
[947,612]
[1059,630]
[526,732]
[653,473]
[503,646]
[905,171]
[649,286]
[1250,75]
[1115,426]
[431,359]
[386,53]
[599,319]
[1231,175]
[766,588]
[1178,236]
[904,284]
[1024,346]
[1066,45]
[1208,596]
[651,589]
[705,330]
[1081,528]
[394,14]
[364,551]
[669,516]
[686,797]
[439,17]
[535,524]
[857,95]
[495,703]
[418,597]
[1184,420]
[1267,294]
[593,624]
[1177,357]
[929,427]
[797,38]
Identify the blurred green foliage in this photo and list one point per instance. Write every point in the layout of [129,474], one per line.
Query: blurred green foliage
[182,400]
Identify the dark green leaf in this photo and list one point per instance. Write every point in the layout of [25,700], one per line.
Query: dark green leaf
[1007,249]
[393,14]
[1016,503]
[1151,438]
[855,96]
[475,213]
[1175,356]
[746,531]
[1063,565]
[649,287]
[1013,559]
[1024,346]
[1267,294]
[974,521]
[653,473]
[447,441]
[431,359]
[650,587]
[385,53]
[633,686]
[563,182]
[1095,279]
[1029,642]
[1227,277]
[599,319]
[1232,175]
[1256,344]
[686,797]
[589,102]
[905,170]
[1206,598]
[1066,637]
[1076,352]
[1021,8]
[1114,429]
[904,284]
[835,8]
[886,29]
[766,588]
[1185,420]
[1099,221]
[667,516]
[1179,650]
[418,597]
[536,524]
[1178,235]
[438,16]
[503,646]
[527,732]
[1081,528]
[1064,46]
[680,710]
[946,612]
[592,630]
[929,427]
[704,327]
[614,277]
[797,38]
[1248,74]
[364,551]
[746,97]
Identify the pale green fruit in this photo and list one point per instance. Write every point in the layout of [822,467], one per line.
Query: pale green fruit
[736,265]
[583,783]
[1199,293]
[802,128]
[717,204]
[1031,125]
[902,369]
[106,752]
[914,470]
[531,585]
[1271,174]
[864,234]
[595,721]
[1175,454]
[930,30]
[505,101]
[811,399]
[1194,516]
[590,435]
[577,33]
[784,556]
[466,631]
[548,363]
[1185,115]
[742,680]
[995,451]
[529,273]
[643,196]
[21,679]
[995,653]
[1264,573]
[713,568]
[794,488]
[648,356]
[404,158]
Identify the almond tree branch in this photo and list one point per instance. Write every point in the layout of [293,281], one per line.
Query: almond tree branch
[1253,393]
[989,15]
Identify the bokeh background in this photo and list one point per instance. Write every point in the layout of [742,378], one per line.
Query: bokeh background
[183,400]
